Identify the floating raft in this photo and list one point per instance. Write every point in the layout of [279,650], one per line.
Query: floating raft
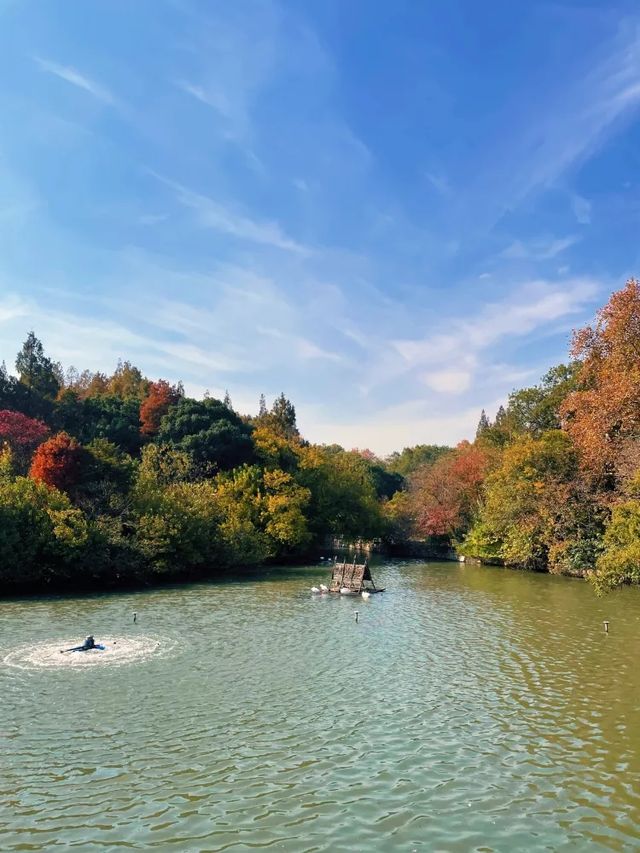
[352,579]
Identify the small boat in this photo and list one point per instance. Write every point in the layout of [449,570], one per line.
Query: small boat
[314,589]
[324,588]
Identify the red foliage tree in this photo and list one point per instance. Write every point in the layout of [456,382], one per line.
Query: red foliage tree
[156,404]
[445,494]
[58,462]
[19,432]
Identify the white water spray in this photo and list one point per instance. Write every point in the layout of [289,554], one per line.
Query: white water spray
[117,651]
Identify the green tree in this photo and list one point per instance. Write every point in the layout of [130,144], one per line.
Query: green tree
[103,491]
[343,494]
[177,528]
[163,465]
[7,388]
[537,410]
[280,419]
[285,522]
[38,376]
[240,502]
[412,458]
[483,424]
[105,416]
[210,433]
[533,507]
[619,562]
[42,536]
[386,483]
[107,463]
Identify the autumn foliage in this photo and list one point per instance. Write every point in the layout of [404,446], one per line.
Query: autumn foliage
[160,398]
[21,432]
[605,416]
[58,462]
[446,493]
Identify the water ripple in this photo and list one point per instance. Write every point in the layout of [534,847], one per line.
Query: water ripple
[466,710]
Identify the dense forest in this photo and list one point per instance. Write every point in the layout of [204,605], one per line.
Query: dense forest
[115,479]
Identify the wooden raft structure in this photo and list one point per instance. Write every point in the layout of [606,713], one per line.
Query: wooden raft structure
[352,579]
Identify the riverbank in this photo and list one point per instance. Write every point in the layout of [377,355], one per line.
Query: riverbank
[115,582]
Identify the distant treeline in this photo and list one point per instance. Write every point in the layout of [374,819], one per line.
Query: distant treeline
[113,479]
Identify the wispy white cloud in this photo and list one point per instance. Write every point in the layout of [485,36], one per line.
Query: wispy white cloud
[211,214]
[538,304]
[303,347]
[551,135]
[189,354]
[540,250]
[73,76]
[234,54]
[309,350]
[215,98]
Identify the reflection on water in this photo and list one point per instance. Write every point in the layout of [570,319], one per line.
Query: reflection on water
[468,708]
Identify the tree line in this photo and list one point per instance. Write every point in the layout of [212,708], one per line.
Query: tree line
[110,479]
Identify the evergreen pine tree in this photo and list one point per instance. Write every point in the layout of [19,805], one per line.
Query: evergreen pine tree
[37,375]
[283,417]
[483,424]
[501,417]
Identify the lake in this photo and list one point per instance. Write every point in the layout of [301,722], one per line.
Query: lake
[469,708]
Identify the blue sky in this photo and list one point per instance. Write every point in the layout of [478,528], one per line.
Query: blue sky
[394,212]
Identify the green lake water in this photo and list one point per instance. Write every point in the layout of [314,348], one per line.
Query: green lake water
[468,709]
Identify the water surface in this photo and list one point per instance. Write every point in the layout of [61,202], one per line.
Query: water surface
[468,709]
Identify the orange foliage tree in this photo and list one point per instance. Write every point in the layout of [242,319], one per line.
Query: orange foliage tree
[58,462]
[604,417]
[160,398]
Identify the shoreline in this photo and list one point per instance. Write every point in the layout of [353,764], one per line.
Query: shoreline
[237,574]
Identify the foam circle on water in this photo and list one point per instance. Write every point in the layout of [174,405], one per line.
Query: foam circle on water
[117,650]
